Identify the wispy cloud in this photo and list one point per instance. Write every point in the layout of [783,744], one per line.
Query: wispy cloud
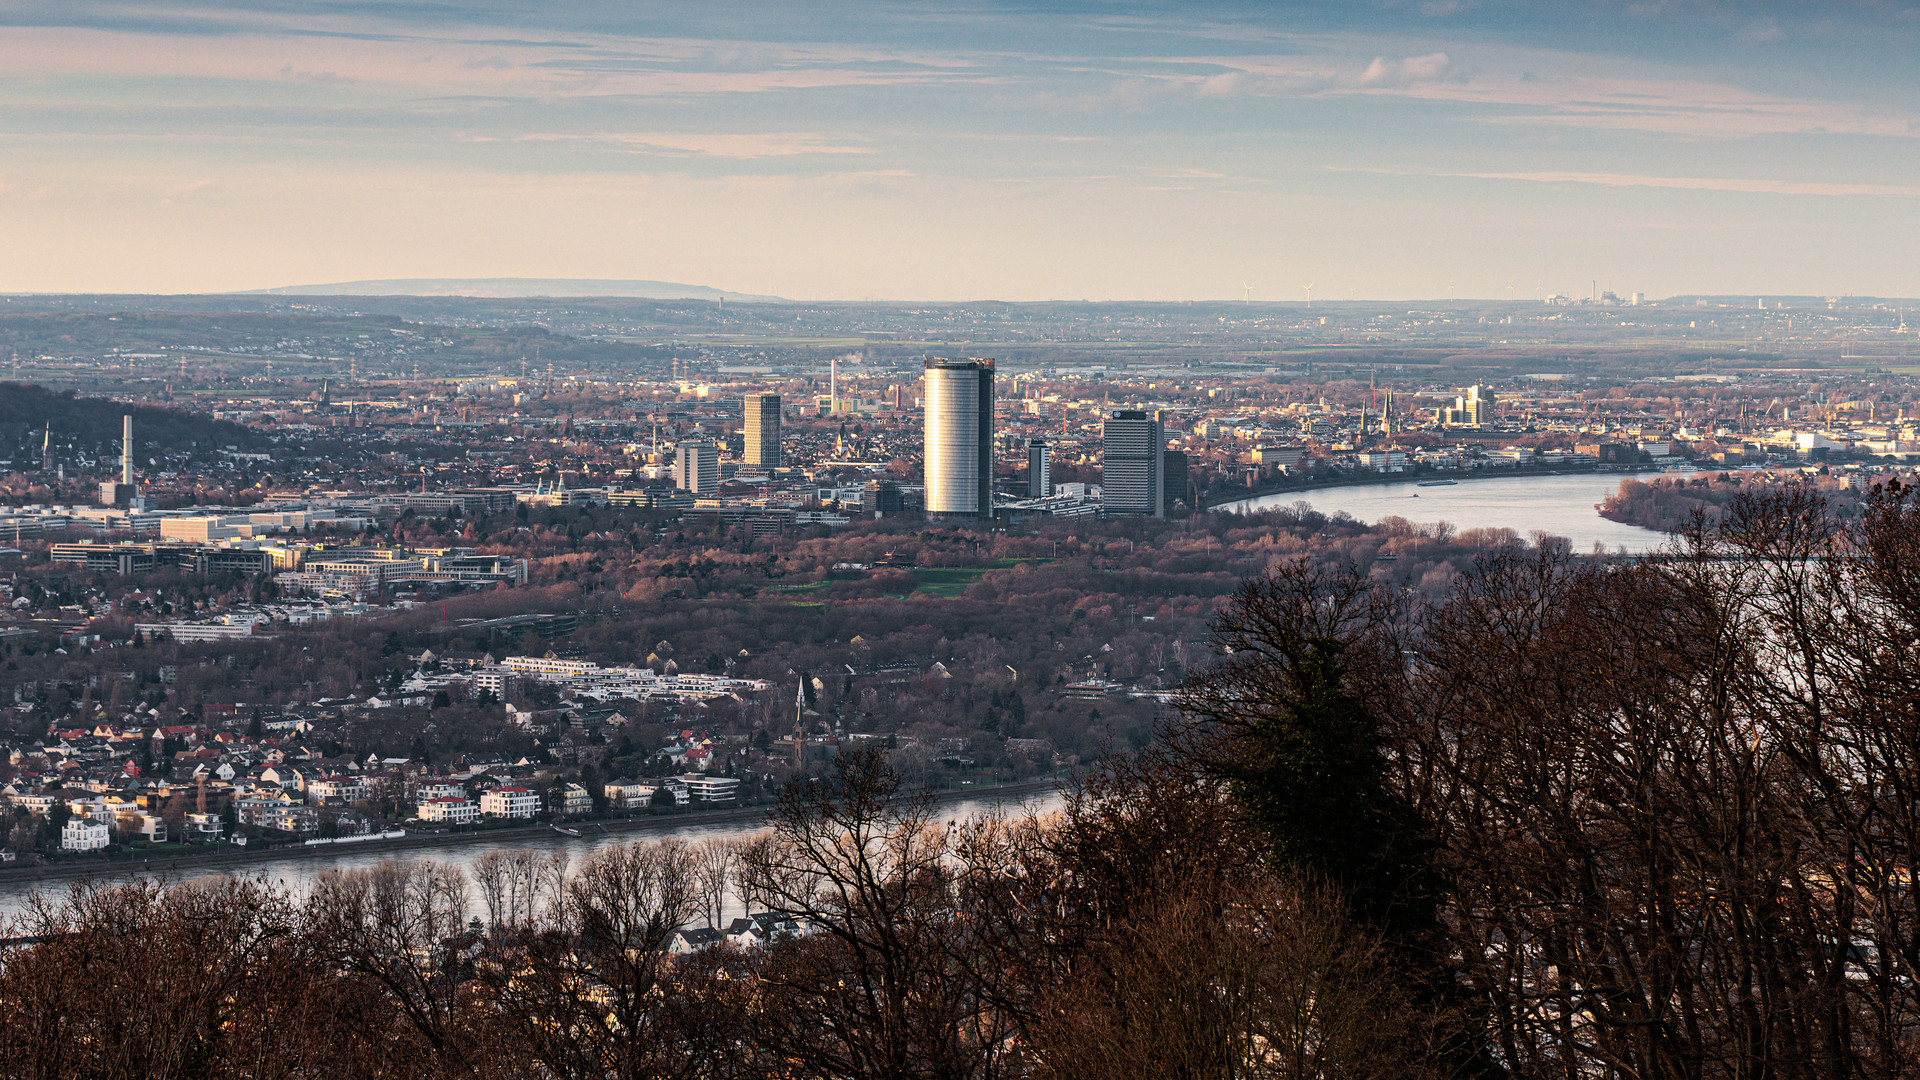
[741,146]
[966,128]
[1412,71]
[1754,186]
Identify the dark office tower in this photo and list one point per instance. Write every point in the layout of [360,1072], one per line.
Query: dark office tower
[1173,477]
[959,438]
[880,498]
[1132,444]
[1039,469]
[762,430]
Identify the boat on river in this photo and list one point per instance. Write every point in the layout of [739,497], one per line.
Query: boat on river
[1436,483]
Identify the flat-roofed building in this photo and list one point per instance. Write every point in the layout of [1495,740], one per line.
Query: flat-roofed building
[696,468]
[702,788]
[761,427]
[1039,469]
[1133,443]
[959,438]
[509,802]
[449,810]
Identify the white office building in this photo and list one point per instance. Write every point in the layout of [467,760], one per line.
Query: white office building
[696,468]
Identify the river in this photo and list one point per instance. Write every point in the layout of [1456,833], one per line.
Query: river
[298,874]
[1560,505]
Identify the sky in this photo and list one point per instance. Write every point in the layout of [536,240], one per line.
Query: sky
[1038,150]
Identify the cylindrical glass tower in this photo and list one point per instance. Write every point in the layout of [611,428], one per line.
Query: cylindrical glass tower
[959,438]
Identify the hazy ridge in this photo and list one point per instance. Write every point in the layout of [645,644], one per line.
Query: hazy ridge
[514,287]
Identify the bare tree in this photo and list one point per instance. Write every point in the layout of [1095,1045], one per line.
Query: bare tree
[715,866]
[520,886]
[401,928]
[873,988]
[1279,985]
[594,993]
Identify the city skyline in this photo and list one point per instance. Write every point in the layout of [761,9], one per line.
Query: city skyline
[1052,151]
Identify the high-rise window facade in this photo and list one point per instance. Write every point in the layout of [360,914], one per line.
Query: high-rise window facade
[696,468]
[1132,443]
[959,438]
[1039,469]
[761,413]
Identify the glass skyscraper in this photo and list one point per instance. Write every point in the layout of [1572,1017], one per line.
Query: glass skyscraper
[959,438]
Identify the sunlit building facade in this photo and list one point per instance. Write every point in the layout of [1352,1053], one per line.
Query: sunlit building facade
[959,438]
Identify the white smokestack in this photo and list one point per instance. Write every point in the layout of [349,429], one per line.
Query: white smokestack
[126,449]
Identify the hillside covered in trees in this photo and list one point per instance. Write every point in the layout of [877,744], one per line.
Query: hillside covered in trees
[91,426]
[1568,817]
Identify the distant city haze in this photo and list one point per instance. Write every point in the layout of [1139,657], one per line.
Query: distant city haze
[1046,151]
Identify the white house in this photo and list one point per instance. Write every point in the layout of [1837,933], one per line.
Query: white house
[335,790]
[509,802]
[203,827]
[710,789]
[84,834]
[449,810]
[628,794]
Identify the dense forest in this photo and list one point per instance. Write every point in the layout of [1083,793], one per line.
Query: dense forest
[93,426]
[1571,817]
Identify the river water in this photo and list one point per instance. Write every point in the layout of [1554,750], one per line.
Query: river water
[298,874]
[1560,505]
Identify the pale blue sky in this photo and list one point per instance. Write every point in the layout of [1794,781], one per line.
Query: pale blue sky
[1043,150]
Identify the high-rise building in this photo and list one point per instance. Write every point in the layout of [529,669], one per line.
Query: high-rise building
[1039,469]
[1132,444]
[1477,407]
[959,438]
[880,498]
[761,413]
[1173,477]
[696,468]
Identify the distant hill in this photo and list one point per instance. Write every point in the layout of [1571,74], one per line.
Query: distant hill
[92,425]
[516,287]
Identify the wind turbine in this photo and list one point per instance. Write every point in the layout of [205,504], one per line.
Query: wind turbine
[1309,287]
[1248,298]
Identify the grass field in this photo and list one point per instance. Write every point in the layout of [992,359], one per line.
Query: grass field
[950,581]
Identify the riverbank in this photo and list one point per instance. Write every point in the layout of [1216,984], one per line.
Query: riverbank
[227,855]
[1226,501]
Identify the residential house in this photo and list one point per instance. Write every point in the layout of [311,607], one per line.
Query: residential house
[85,834]
[510,802]
[449,810]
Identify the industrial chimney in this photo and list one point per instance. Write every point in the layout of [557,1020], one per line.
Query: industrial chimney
[122,494]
